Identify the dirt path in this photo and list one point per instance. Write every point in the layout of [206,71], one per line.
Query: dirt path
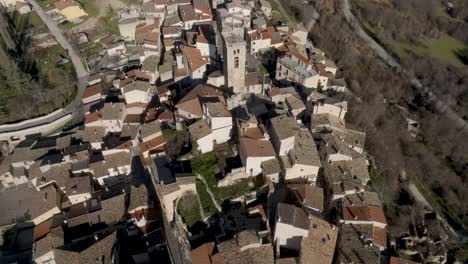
[218,207]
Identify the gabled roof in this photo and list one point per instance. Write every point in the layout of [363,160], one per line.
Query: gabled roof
[353,248]
[92,90]
[319,245]
[256,148]
[137,86]
[217,109]
[305,150]
[151,128]
[313,197]
[364,213]
[284,126]
[199,129]
[192,102]
[92,117]
[138,197]
[112,111]
[292,215]
[156,143]
[205,254]
[194,58]
[187,13]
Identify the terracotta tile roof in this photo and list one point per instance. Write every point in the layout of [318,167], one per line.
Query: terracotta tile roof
[124,82]
[170,30]
[187,13]
[191,102]
[92,117]
[201,38]
[133,118]
[199,129]
[396,260]
[202,5]
[204,254]
[153,144]
[137,105]
[379,236]
[107,40]
[180,72]
[62,4]
[320,68]
[274,91]
[313,197]
[152,38]
[143,27]
[256,148]
[299,56]
[364,213]
[253,133]
[194,58]
[92,90]
[319,245]
[166,116]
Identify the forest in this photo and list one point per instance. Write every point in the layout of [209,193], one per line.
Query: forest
[32,80]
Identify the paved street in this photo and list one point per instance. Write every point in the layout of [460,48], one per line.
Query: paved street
[81,74]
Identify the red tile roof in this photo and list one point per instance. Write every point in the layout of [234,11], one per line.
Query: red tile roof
[165,116]
[379,236]
[92,90]
[92,117]
[253,133]
[313,197]
[194,57]
[396,260]
[364,213]
[256,148]
[155,143]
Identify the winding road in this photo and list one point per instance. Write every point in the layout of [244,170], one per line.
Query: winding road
[81,73]
[431,98]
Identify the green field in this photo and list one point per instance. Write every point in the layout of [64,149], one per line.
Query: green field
[443,48]
[204,165]
[189,210]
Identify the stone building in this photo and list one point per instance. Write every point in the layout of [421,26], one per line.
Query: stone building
[234,56]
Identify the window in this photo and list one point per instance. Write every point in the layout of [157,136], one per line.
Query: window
[236,62]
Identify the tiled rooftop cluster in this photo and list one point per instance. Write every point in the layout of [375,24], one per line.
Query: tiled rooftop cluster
[191,80]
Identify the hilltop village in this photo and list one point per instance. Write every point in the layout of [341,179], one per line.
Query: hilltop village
[212,133]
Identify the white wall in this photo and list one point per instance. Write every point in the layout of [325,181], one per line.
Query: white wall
[334,110]
[338,157]
[285,146]
[137,96]
[288,236]
[256,45]
[300,171]
[205,144]
[199,73]
[187,114]
[216,81]
[253,165]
